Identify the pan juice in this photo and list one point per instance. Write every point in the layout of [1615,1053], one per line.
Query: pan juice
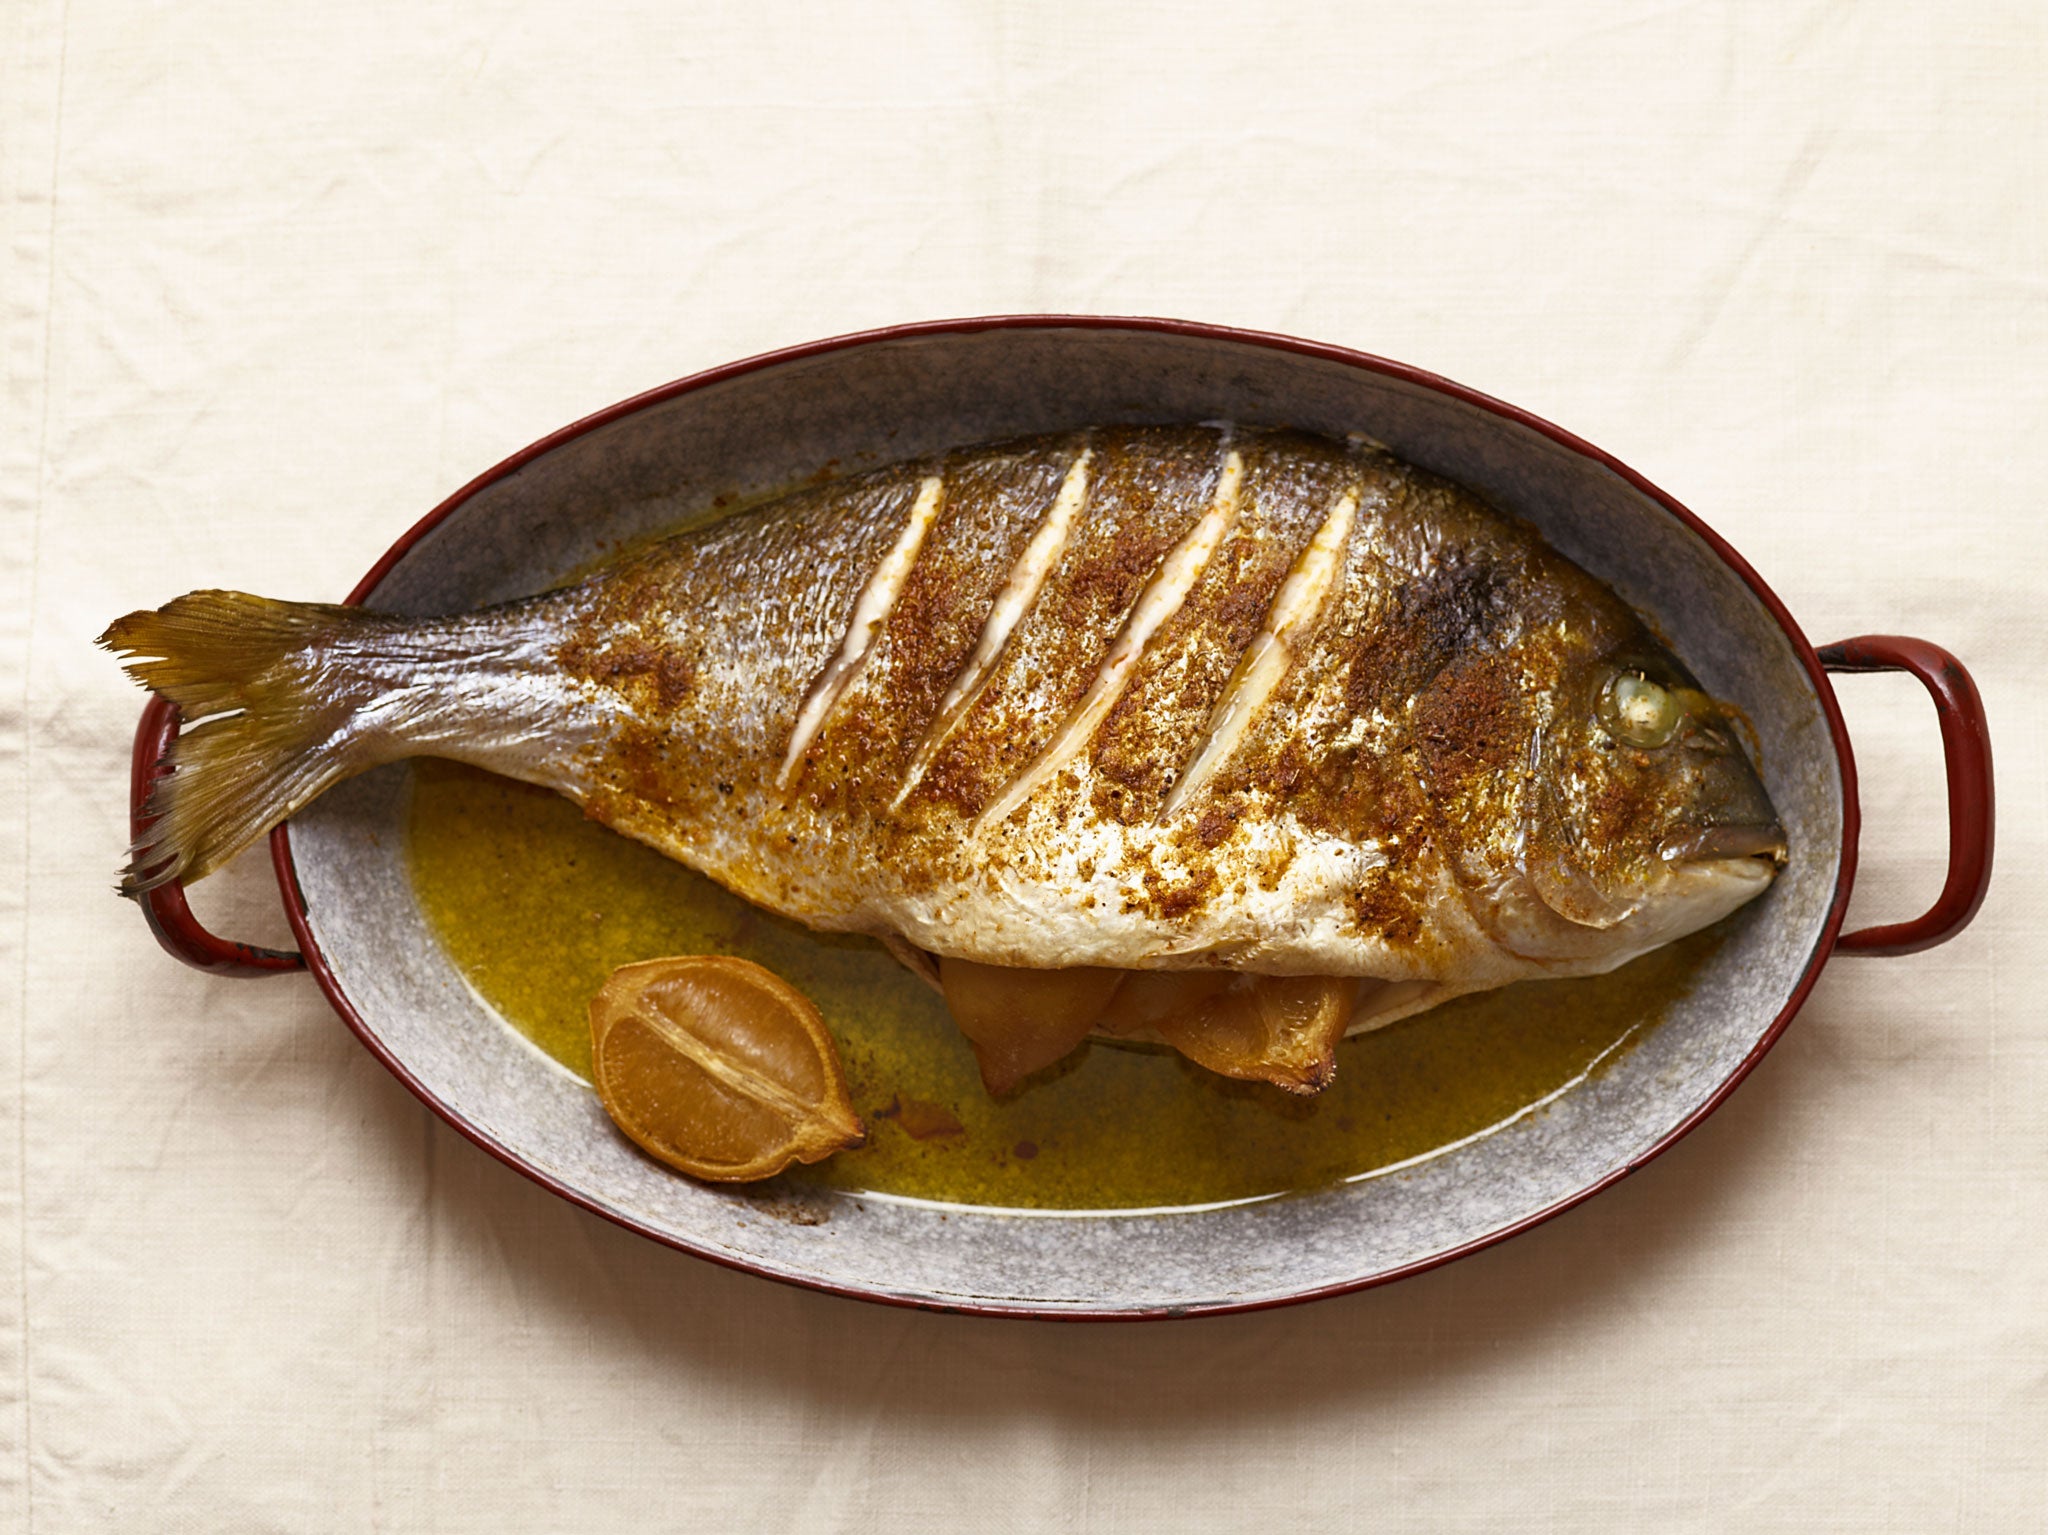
[537,905]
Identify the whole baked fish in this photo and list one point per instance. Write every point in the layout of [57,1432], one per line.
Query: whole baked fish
[1234,738]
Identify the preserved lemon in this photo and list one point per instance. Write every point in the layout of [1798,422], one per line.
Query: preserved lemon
[719,1068]
[1021,1021]
[1267,1028]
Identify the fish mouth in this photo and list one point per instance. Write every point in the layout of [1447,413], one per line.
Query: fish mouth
[1764,840]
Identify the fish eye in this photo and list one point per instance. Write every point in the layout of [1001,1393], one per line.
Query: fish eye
[1638,711]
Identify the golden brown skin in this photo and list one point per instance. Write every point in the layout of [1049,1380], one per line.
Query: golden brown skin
[1427,792]
[1142,698]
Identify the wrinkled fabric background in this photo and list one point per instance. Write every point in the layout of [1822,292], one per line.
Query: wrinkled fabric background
[278,278]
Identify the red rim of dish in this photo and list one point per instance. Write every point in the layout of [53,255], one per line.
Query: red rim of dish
[316,960]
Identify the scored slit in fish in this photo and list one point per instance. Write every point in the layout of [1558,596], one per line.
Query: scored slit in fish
[1212,701]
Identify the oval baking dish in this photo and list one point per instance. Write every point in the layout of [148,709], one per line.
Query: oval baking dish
[644,465]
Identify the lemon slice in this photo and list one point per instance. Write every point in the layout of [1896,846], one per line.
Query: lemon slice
[719,1068]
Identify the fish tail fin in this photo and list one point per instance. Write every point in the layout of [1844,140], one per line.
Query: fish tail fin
[270,692]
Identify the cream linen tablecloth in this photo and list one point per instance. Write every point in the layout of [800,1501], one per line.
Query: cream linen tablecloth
[277,278]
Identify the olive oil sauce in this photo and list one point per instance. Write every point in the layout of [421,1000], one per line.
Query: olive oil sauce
[537,905]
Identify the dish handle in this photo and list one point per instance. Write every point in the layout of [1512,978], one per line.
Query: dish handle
[1966,746]
[165,908]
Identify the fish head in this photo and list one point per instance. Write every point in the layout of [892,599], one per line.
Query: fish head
[1645,818]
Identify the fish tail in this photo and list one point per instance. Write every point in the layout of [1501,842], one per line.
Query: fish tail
[272,695]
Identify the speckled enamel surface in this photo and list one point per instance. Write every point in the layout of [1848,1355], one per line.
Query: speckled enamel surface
[891,399]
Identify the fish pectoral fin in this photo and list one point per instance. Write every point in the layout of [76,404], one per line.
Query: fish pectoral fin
[1567,889]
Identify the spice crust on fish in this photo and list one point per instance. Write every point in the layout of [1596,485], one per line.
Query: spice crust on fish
[1205,701]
